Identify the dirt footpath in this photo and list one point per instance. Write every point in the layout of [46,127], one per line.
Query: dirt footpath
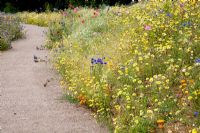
[26,106]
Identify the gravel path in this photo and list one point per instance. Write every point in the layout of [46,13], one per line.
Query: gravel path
[26,106]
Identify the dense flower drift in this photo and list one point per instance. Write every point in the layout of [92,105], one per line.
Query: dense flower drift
[151,76]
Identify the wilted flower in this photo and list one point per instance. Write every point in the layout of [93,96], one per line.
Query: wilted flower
[82,21]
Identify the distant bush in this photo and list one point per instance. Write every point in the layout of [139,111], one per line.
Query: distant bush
[3,44]
[10,29]
[40,19]
[42,5]
[9,8]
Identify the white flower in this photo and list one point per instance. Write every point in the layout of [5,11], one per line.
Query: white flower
[184,70]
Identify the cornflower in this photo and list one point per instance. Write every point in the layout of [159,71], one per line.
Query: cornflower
[196,113]
[98,61]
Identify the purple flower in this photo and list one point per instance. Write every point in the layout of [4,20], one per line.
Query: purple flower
[197,60]
[147,27]
[186,24]
[98,61]
[196,113]
[182,5]
[93,61]
[169,14]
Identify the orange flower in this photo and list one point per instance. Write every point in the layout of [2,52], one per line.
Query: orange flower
[82,99]
[183,81]
[191,81]
[160,123]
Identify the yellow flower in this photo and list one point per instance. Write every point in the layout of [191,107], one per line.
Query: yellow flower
[160,121]
[190,98]
[158,82]
[187,73]
[149,112]
[186,92]
[183,81]
[193,2]
[194,130]
[136,121]
[156,109]
[134,94]
[141,112]
[139,82]
[151,80]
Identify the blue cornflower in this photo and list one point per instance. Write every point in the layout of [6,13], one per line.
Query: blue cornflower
[169,14]
[93,61]
[189,23]
[186,24]
[98,61]
[196,113]
[197,60]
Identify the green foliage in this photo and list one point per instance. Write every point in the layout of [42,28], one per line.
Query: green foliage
[49,5]
[3,44]
[40,19]
[70,99]
[10,29]
[132,65]
[9,8]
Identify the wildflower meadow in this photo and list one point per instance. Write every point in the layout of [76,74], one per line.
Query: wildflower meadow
[136,67]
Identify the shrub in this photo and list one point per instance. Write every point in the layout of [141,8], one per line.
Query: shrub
[10,29]
[9,8]
[40,19]
[3,44]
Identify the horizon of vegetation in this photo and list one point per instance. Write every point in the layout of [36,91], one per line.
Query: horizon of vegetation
[12,6]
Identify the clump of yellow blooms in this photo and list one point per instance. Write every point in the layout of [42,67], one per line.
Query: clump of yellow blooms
[41,19]
[150,70]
